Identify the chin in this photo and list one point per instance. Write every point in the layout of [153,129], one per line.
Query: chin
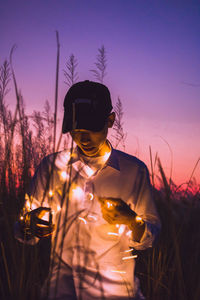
[90,153]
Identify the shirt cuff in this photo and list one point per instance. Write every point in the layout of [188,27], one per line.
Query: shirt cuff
[149,235]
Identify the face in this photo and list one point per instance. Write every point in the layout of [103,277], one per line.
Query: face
[92,143]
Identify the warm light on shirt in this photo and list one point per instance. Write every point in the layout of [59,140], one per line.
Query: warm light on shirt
[105,244]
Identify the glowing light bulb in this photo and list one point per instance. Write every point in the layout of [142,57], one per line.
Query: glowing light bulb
[21,218]
[58,207]
[64,175]
[109,205]
[51,193]
[139,220]
[77,192]
[117,225]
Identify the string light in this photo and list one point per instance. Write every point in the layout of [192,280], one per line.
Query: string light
[82,219]
[109,205]
[92,217]
[58,207]
[129,257]
[63,175]
[90,196]
[117,271]
[51,193]
[139,220]
[129,250]
[77,192]
[113,233]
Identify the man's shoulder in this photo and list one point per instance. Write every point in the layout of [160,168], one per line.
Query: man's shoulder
[128,159]
[58,159]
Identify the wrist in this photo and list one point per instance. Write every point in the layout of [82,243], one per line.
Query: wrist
[135,221]
[137,226]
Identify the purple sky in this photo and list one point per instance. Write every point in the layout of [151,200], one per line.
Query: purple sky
[153,52]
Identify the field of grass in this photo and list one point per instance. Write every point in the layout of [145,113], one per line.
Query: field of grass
[168,271]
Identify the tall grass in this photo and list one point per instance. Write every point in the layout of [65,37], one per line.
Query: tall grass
[168,271]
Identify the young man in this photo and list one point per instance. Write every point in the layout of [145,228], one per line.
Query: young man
[100,201]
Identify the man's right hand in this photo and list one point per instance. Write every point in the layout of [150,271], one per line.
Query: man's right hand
[32,223]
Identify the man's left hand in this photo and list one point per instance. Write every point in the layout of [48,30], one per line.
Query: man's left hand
[116,211]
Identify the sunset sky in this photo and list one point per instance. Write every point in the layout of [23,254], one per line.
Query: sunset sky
[153,65]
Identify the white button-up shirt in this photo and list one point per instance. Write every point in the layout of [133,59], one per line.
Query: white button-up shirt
[98,254]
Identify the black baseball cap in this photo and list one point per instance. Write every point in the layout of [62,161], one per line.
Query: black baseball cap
[87,105]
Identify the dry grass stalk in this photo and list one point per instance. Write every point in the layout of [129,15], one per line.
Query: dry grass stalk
[56,90]
[101,64]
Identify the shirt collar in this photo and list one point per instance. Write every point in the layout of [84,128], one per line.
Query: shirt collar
[74,157]
[112,161]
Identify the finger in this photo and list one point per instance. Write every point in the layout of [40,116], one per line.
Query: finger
[39,210]
[111,220]
[112,212]
[113,203]
[44,211]
[41,221]
[101,200]
[41,231]
[110,216]
[104,200]
[107,219]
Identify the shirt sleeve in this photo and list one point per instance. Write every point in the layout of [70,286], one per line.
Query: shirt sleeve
[146,209]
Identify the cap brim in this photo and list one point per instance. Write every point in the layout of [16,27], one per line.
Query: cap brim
[93,123]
